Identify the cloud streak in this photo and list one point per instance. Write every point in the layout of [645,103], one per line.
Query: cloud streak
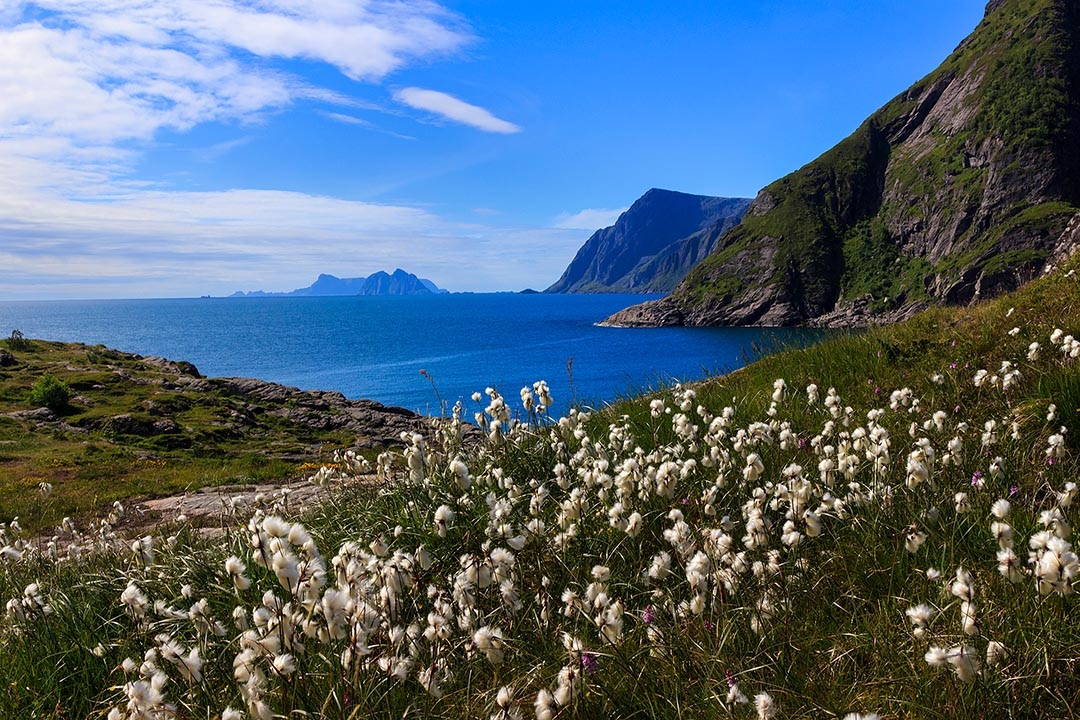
[361,122]
[454,109]
[588,219]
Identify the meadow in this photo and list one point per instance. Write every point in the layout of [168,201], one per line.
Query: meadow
[875,526]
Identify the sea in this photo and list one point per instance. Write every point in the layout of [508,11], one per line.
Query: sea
[423,353]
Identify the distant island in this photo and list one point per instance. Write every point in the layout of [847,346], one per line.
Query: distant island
[381,283]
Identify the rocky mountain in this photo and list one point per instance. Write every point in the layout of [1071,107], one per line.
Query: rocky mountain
[398,283]
[652,245]
[964,186]
[379,283]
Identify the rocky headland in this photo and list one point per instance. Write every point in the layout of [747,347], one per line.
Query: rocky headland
[964,186]
[129,426]
[652,245]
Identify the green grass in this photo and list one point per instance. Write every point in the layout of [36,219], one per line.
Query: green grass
[819,625]
[92,460]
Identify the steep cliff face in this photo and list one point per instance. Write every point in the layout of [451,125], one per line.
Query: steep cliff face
[961,187]
[652,245]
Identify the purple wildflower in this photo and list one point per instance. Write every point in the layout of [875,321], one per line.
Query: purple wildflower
[650,615]
[589,662]
[1014,489]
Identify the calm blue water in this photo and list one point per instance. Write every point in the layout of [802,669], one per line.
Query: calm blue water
[375,347]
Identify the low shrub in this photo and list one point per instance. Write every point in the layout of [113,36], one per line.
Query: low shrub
[49,392]
[18,341]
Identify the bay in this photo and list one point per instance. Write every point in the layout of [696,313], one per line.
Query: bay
[375,347]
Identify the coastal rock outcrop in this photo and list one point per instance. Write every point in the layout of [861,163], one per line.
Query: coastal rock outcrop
[154,403]
[375,424]
[964,186]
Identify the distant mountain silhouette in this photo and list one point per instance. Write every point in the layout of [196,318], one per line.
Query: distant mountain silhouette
[380,283]
[652,245]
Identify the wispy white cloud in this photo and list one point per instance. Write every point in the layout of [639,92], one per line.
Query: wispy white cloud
[454,109]
[219,150]
[588,219]
[367,40]
[157,244]
[348,119]
[361,122]
[85,85]
[87,80]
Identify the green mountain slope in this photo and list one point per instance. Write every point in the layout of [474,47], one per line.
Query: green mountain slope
[961,187]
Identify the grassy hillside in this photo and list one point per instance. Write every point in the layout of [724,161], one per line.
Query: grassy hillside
[135,427]
[879,524]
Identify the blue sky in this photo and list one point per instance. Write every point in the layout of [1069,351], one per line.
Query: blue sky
[175,148]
